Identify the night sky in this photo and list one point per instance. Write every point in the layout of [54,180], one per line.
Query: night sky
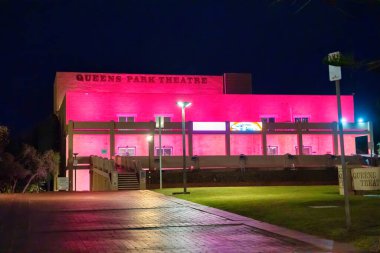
[282,43]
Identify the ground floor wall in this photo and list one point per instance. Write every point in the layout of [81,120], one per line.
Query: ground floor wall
[86,145]
[211,144]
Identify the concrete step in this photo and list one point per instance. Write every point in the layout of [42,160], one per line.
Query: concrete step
[128,181]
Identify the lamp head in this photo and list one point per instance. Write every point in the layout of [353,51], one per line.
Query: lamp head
[183,104]
[149,138]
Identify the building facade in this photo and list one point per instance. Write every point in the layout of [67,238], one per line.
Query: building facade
[115,114]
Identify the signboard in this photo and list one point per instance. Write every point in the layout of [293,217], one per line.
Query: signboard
[246,126]
[363,179]
[334,71]
[209,126]
[366,179]
[63,184]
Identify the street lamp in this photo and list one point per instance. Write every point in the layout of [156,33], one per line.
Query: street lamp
[75,163]
[183,105]
[160,125]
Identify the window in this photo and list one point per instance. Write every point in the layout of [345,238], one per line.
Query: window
[306,150]
[126,118]
[272,150]
[301,119]
[268,119]
[126,151]
[165,151]
[167,118]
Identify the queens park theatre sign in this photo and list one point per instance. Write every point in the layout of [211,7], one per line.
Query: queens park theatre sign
[363,179]
[152,79]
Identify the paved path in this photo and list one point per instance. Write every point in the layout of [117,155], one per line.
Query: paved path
[136,221]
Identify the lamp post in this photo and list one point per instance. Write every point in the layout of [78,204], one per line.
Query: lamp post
[75,163]
[335,75]
[160,125]
[183,106]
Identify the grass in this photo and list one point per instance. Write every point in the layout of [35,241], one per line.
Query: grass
[289,206]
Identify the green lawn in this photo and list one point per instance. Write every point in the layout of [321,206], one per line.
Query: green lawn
[289,206]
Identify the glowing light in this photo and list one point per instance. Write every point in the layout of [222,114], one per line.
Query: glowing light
[343,120]
[360,120]
[183,104]
[149,138]
[209,126]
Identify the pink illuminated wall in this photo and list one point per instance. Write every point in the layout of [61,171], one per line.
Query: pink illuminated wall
[246,144]
[94,144]
[349,144]
[133,140]
[82,179]
[209,144]
[286,143]
[106,107]
[320,144]
[172,140]
[134,83]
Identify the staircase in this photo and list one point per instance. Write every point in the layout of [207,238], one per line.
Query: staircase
[128,181]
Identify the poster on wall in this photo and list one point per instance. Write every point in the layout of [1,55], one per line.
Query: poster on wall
[63,184]
[246,126]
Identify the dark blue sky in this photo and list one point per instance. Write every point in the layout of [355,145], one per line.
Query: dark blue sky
[281,43]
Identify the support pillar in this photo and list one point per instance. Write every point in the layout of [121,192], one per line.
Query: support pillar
[190,138]
[112,140]
[151,146]
[228,139]
[299,139]
[264,138]
[70,131]
[335,137]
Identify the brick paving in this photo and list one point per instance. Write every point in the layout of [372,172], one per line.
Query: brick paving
[135,221]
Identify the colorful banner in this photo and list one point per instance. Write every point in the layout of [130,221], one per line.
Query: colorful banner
[246,126]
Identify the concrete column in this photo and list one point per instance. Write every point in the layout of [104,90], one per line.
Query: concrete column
[190,138]
[151,145]
[70,130]
[228,139]
[299,139]
[112,139]
[371,144]
[264,138]
[334,128]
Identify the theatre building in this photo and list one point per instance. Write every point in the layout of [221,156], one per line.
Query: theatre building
[112,115]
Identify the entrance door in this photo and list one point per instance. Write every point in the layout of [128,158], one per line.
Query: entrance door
[361,145]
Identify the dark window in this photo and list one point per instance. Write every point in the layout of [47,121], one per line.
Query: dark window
[306,150]
[272,150]
[126,151]
[268,120]
[126,119]
[301,119]
[165,151]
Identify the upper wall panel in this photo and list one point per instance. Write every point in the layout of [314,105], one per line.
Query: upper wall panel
[134,83]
